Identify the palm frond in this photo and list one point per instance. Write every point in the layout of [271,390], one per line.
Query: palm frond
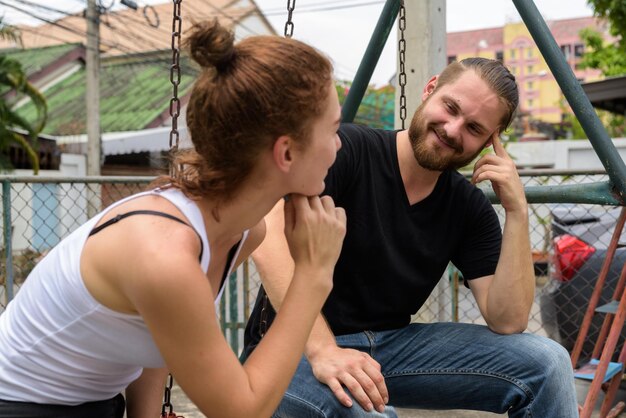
[10,33]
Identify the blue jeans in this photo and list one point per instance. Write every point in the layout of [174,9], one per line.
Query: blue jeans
[449,366]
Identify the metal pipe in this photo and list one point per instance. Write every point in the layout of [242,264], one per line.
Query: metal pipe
[8,232]
[370,59]
[600,193]
[575,95]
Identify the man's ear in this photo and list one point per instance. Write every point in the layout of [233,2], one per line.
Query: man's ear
[430,87]
[283,153]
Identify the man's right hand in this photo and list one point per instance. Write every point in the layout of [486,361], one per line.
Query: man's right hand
[341,368]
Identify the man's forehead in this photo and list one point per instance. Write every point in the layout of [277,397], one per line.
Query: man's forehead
[473,97]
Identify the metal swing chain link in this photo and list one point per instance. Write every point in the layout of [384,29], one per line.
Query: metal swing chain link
[167,401]
[166,398]
[175,77]
[291,5]
[174,140]
[402,60]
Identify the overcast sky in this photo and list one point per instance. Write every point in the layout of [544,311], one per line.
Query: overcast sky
[343,28]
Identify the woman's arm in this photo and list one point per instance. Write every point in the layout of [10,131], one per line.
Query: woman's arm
[167,287]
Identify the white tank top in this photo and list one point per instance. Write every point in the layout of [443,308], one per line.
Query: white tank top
[58,345]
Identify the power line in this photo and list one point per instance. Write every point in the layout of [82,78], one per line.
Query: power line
[48,8]
[149,42]
[320,7]
[72,29]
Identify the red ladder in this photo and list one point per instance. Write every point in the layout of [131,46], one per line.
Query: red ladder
[604,373]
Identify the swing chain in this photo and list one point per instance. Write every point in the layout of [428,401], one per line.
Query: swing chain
[402,59]
[166,398]
[174,139]
[175,75]
[291,5]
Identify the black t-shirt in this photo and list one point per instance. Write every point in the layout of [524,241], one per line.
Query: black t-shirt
[394,253]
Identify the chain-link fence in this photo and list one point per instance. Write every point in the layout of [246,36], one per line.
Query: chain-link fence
[38,213]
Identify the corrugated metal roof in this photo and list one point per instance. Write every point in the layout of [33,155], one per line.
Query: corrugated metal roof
[133,93]
[36,59]
[117,143]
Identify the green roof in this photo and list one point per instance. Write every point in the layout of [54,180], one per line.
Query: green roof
[133,93]
[377,106]
[36,59]
[136,89]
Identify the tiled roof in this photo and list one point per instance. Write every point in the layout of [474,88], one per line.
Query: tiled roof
[473,40]
[126,31]
[133,93]
[570,28]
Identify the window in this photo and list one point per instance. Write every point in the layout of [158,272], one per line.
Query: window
[529,85]
[567,50]
[529,69]
[514,70]
[529,53]
[512,54]
[451,59]
[500,56]
[579,50]
[529,103]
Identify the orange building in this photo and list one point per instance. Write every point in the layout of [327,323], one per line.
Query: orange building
[540,95]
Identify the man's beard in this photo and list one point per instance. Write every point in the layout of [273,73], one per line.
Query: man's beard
[429,157]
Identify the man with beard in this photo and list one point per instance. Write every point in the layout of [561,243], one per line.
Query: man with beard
[409,214]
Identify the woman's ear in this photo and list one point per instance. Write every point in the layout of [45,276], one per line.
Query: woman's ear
[283,153]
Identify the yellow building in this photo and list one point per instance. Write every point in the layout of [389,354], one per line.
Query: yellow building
[540,95]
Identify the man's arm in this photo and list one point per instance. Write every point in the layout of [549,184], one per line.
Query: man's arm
[332,365]
[506,297]
[144,396]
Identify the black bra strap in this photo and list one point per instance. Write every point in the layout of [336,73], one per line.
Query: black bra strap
[121,216]
[229,261]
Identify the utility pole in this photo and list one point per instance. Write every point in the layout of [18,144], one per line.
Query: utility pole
[425,56]
[93,104]
[93,88]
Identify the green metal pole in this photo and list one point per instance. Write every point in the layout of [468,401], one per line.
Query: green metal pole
[575,95]
[234,314]
[600,193]
[8,232]
[370,59]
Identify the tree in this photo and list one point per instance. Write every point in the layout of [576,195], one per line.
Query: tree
[609,58]
[13,79]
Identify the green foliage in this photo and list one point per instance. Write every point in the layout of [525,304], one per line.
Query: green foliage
[9,33]
[615,12]
[614,124]
[576,128]
[609,58]
[13,79]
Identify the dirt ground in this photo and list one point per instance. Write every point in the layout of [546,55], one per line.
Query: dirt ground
[182,406]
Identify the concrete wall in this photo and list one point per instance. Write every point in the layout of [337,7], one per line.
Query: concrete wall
[561,154]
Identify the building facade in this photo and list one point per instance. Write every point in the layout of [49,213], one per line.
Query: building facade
[541,98]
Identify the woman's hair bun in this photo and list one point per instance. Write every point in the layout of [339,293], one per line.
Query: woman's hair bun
[211,45]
